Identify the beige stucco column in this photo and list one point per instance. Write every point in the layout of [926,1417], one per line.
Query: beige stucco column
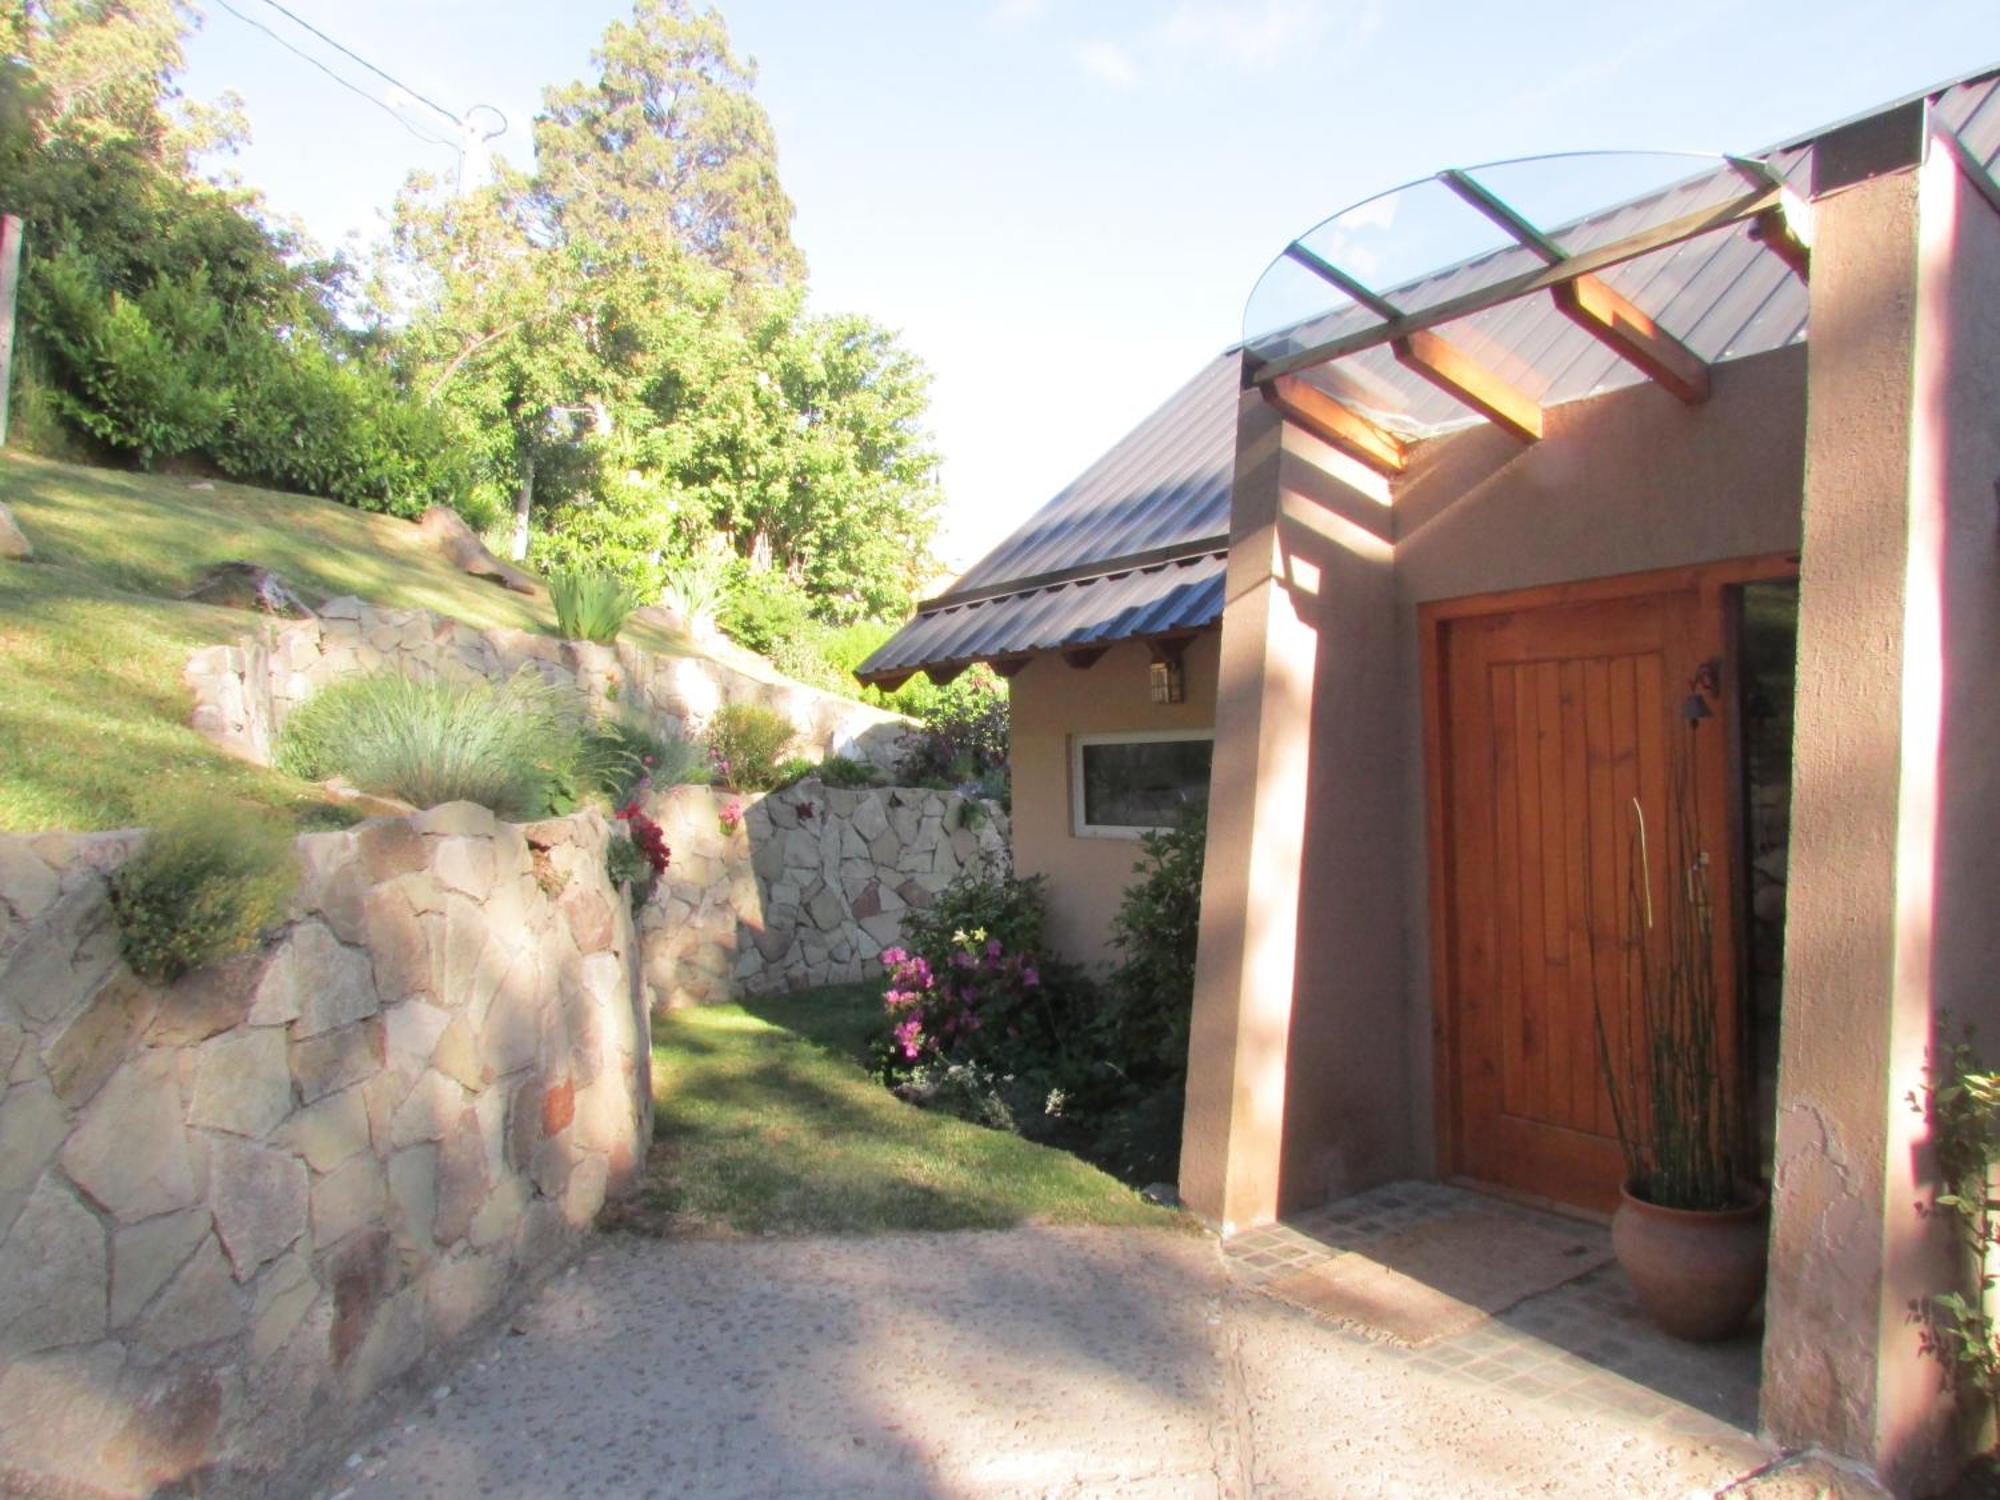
[1233,1126]
[1893,809]
[1295,1064]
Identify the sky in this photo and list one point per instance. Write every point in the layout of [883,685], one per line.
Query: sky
[1062,205]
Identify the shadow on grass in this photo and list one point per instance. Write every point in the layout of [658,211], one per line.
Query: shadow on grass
[772,1128]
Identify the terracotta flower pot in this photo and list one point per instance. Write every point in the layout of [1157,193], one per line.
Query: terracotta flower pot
[1698,1273]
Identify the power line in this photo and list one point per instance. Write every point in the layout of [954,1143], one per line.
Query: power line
[349,52]
[349,85]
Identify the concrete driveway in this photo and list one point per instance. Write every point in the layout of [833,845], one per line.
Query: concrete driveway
[1033,1362]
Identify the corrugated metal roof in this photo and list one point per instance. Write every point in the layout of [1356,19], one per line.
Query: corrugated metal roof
[1115,607]
[1166,483]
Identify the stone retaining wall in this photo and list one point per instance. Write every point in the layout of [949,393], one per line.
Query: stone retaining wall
[243,692]
[234,1209]
[807,890]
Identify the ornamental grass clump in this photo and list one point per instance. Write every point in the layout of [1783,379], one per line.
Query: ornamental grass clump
[515,747]
[1678,1128]
[591,605]
[211,877]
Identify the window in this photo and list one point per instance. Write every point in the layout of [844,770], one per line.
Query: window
[1121,785]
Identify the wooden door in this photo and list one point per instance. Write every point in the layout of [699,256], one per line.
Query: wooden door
[1556,719]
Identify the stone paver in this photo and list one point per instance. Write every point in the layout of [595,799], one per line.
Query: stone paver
[1036,1362]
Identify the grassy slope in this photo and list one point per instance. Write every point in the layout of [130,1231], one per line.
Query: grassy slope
[93,637]
[767,1123]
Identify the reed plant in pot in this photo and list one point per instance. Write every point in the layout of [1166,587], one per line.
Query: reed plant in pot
[1690,1227]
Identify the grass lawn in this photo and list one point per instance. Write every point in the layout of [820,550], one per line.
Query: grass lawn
[767,1122]
[93,635]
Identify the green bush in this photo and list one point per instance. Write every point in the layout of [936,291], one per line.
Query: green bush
[696,588]
[301,419]
[135,372]
[744,743]
[210,878]
[591,605]
[516,747]
[964,737]
[765,611]
[1151,994]
[840,770]
[791,771]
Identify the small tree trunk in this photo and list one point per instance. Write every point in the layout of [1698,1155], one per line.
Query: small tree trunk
[524,500]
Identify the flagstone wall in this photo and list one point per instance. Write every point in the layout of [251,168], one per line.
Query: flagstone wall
[236,1208]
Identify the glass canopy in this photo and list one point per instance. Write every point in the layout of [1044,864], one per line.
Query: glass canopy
[1454,250]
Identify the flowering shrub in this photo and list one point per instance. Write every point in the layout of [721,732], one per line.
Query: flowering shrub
[744,743]
[731,818]
[641,857]
[939,1010]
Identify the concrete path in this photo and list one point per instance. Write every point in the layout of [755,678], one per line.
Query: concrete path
[1024,1363]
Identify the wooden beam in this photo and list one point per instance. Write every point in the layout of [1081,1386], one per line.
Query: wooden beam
[1459,375]
[1774,232]
[1169,646]
[1084,657]
[888,682]
[945,674]
[1629,333]
[1598,258]
[1008,666]
[1326,419]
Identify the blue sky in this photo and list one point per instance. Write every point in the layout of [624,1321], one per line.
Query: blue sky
[1063,205]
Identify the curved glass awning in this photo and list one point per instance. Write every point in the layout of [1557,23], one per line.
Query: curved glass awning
[1490,292]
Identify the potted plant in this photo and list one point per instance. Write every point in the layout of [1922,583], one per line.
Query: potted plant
[1690,1227]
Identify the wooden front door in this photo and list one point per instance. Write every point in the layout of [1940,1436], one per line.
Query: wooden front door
[1551,718]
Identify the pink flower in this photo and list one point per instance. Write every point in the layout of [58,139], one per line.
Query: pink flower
[909,1036]
[1030,978]
[993,947]
[894,956]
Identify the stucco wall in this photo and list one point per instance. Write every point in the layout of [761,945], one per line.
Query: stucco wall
[1050,702]
[235,1209]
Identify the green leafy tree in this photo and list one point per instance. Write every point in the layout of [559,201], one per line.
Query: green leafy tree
[668,149]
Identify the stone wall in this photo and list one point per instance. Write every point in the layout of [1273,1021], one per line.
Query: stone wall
[809,887]
[234,1209]
[243,692]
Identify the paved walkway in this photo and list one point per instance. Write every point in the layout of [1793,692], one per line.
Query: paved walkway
[1027,1363]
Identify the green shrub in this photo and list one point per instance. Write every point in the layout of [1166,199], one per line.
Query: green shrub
[514,747]
[136,371]
[840,770]
[791,771]
[591,605]
[210,878]
[744,743]
[964,737]
[301,419]
[1151,994]
[765,611]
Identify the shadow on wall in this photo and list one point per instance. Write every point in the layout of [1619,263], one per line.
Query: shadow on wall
[799,888]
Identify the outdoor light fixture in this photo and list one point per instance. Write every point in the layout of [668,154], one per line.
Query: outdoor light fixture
[1167,682]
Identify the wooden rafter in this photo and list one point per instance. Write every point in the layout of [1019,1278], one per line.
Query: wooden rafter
[1343,427]
[1008,666]
[1084,657]
[1169,646]
[945,673]
[1624,328]
[888,682]
[1464,378]
[1774,232]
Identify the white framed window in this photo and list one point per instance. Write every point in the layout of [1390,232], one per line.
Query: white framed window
[1123,785]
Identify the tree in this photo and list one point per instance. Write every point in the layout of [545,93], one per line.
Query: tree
[668,148]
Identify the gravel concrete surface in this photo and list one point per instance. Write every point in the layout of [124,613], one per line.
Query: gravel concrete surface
[1035,1362]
